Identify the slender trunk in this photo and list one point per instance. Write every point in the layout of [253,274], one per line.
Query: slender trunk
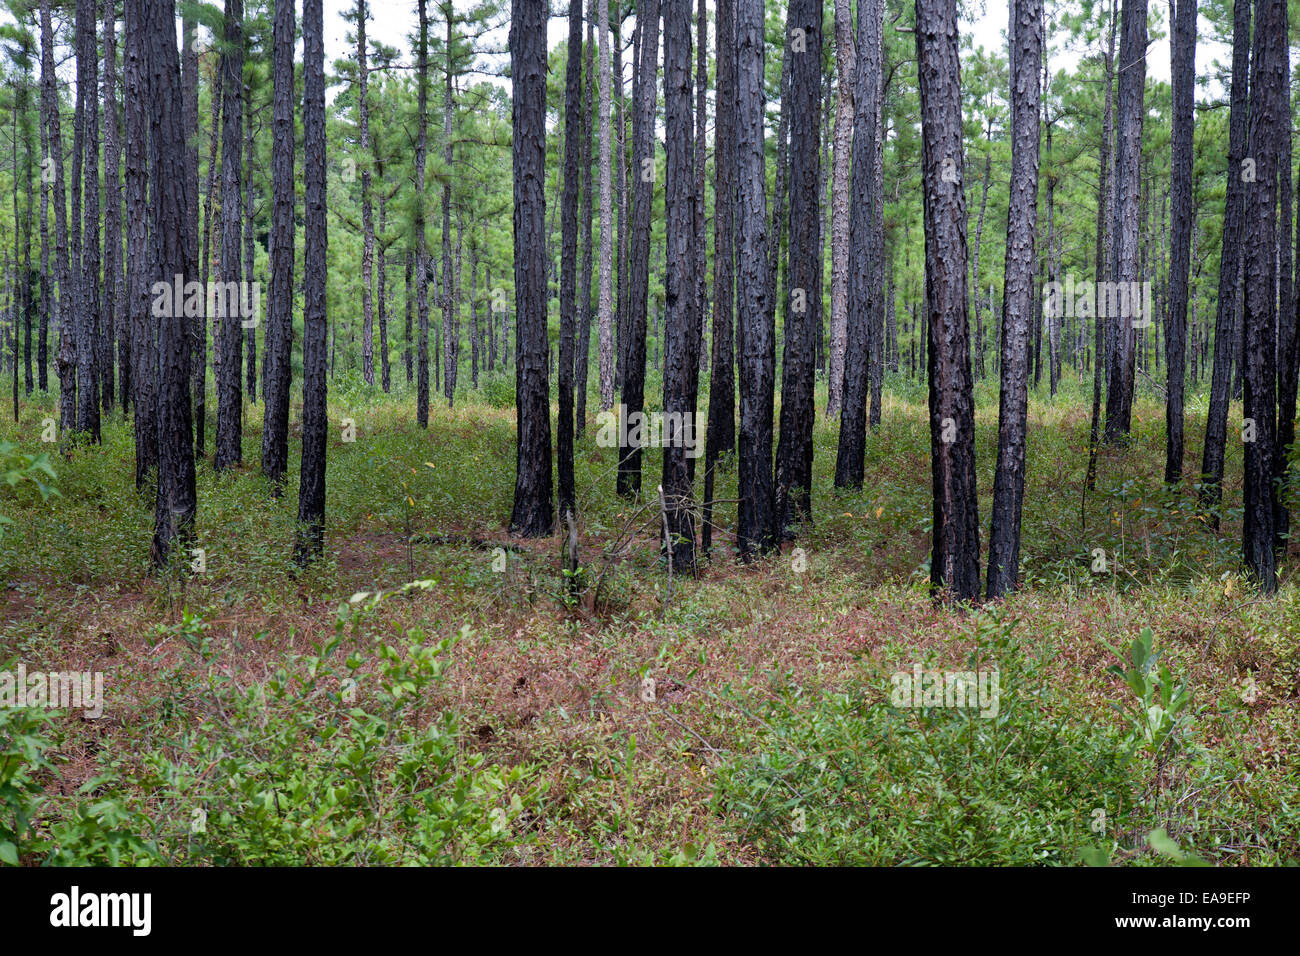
[1018,276]
[311,491]
[643,142]
[679,285]
[533,514]
[176,501]
[1183,59]
[569,258]
[756,335]
[606,323]
[584,285]
[954,565]
[1132,78]
[721,436]
[421,240]
[845,55]
[230,393]
[850,455]
[794,453]
[1259,330]
[279,313]
[112,188]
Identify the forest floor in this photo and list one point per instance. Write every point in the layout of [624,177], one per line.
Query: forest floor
[498,711]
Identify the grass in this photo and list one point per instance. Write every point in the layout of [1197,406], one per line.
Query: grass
[493,715]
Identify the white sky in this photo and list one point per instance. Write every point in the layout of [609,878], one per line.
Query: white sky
[393,20]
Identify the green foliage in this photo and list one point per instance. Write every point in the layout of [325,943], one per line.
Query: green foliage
[1161,705]
[97,829]
[18,468]
[335,761]
[848,779]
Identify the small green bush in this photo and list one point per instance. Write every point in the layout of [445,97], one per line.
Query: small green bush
[848,779]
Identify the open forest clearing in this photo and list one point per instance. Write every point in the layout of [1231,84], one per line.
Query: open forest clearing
[648,432]
[282,707]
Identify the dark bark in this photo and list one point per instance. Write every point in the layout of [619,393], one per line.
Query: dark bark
[1017,299]
[585,223]
[176,501]
[533,514]
[450,320]
[46,281]
[643,121]
[679,284]
[1125,268]
[278,363]
[421,240]
[1226,326]
[954,565]
[1259,328]
[67,301]
[756,335]
[1183,60]
[112,188]
[721,436]
[230,392]
[139,321]
[569,257]
[851,452]
[311,492]
[85,220]
[794,452]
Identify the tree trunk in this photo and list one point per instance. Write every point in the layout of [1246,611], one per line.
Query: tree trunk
[721,436]
[230,393]
[1183,60]
[1125,268]
[112,209]
[143,347]
[421,240]
[643,143]
[1018,293]
[67,302]
[954,565]
[794,452]
[176,501]
[584,286]
[450,332]
[606,323]
[845,55]
[569,258]
[311,491]
[367,216]
[85,249]
[850,455]
[1267,81]
[756,335]
[278,362]
[533,515]
[679,284]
